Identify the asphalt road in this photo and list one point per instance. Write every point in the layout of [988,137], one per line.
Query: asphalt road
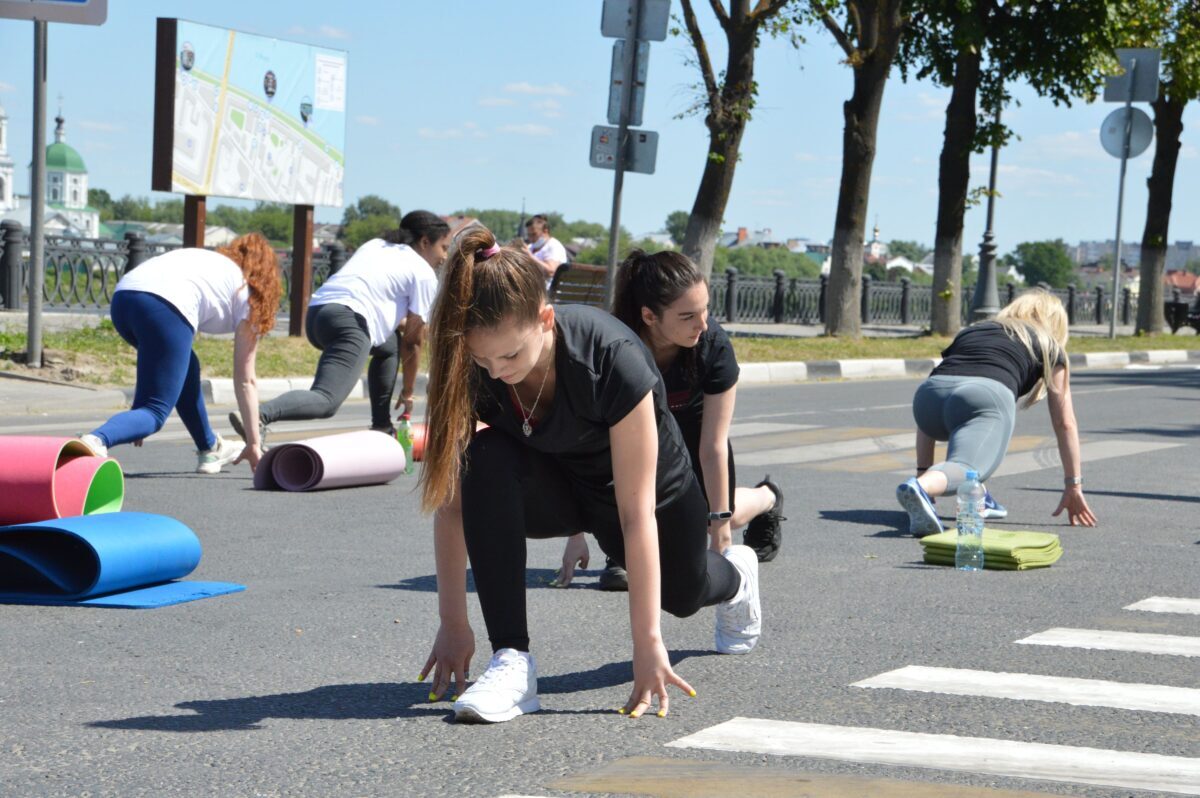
[305,683]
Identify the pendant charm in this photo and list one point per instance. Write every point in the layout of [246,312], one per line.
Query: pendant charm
[526,428]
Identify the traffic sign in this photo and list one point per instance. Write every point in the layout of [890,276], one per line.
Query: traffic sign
[1112,132]
[1144,77]
[80,12]
[641,150]
[652,25]
[618,83]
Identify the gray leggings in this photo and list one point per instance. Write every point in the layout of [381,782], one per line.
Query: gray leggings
[341,335]
[975,414]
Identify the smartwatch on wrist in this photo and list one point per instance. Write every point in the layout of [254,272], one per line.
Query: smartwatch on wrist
[1069,481]
[724,515]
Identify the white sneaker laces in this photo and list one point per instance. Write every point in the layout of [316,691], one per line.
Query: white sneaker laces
[498,668]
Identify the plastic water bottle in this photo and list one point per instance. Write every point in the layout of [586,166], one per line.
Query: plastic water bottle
[968,554]
[404,434]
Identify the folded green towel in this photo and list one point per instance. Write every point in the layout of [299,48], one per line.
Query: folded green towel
[1003,550]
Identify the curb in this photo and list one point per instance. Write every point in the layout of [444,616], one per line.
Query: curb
[66,396]
[219,391]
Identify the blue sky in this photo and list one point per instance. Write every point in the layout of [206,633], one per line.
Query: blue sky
[475,103]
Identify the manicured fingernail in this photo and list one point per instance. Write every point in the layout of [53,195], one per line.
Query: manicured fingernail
[621,711]
[634,715]
[432,697]
[420,677]
[662,713]
[454,697]
[692,694]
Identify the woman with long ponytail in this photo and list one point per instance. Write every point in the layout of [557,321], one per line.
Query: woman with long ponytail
[579,438]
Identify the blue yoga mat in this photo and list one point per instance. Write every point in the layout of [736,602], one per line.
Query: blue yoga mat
[110,560]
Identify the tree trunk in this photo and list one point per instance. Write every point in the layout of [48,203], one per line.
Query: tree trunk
[708,211]
[954,174]
[861,111]
[1168,126]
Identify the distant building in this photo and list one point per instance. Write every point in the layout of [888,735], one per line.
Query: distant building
[875,250]
[661,238]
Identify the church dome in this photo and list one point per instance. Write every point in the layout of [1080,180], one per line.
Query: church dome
[62,157]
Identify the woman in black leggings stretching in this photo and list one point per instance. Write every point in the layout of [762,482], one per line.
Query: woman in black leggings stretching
[579,438]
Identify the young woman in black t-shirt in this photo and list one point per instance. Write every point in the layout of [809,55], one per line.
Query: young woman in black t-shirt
[579,438]
[970,400]
[664,299]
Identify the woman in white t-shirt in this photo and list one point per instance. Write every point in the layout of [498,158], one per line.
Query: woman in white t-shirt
[356,313]
[159,307]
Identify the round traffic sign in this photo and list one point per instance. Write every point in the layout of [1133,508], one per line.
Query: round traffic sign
[1112,132]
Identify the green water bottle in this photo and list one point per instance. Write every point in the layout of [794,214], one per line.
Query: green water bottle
[404,434]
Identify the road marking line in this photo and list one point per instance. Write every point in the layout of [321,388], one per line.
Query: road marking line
[1047,457]
[1165,604]
[809,437]
[746,428]
[1080,765]
[1140,642]
[1031,687]
[792,455]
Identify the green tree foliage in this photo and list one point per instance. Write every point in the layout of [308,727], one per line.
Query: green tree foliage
[504,224]
[370,205]
[598,255]
[1043,262]
[761,262]
[363,229]
[274,220]
[677,223]
[912,250]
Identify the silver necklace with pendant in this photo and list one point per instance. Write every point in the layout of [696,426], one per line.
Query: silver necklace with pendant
[526,427]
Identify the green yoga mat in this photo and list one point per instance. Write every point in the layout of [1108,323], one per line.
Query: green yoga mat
[1003,550]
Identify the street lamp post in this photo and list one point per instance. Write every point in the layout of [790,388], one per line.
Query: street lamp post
[985,304]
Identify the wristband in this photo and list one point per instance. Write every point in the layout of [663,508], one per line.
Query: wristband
[724,515]
[1072,480]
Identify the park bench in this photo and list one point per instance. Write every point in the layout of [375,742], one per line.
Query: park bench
[578,284]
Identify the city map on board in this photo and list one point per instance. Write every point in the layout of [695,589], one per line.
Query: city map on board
[257,118]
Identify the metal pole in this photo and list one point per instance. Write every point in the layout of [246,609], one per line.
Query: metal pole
[1116,290]
[627,89]
[37,198]
[986,302]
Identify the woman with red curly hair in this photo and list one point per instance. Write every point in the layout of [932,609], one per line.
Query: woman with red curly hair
[159,307]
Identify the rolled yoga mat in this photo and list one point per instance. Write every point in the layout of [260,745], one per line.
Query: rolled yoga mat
[47,477]
[335,461]
[111,560]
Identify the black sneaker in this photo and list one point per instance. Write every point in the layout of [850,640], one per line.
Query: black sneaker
[613,577]
[235,421]
[764,533]
[389,430]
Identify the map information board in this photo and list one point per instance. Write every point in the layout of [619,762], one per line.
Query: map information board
[247,116]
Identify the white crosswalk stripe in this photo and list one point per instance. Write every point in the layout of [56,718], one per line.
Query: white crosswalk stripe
[1165,604]
[1139,642]
[1079,765]
[795,455]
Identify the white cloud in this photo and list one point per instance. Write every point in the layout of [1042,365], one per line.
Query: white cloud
[99,127]
[334,33]
[439,135]
[367,120]
[1188,151]
[1067,144]
[549,108]
[524,87]
[6,87]
[495,102]
[527,129]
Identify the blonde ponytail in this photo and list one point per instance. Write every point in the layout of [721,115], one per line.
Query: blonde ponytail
[1039,317]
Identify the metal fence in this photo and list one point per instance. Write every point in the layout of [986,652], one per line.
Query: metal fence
[81,273]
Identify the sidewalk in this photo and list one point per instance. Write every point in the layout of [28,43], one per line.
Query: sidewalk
[26,396]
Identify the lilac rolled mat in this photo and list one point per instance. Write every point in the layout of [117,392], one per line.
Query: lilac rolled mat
[334,461]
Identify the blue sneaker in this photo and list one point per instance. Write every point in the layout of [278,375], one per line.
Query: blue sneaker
[992,509]
[922,517]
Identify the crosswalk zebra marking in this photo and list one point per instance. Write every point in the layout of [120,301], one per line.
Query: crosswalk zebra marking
[797,455]
[1079,765]
[1140,642]
[747,428]
[901,461]
[1047,457]
[1166,604]
[1032,687]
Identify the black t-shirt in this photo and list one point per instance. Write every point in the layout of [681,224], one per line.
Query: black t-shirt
[716,371]
[986,350]
[603,371]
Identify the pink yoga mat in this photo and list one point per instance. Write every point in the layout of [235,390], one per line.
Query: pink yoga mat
[334,461]
[42,478]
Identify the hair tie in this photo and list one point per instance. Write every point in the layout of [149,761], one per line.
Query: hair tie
[484,254]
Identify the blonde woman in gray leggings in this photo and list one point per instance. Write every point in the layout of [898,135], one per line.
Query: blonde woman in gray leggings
[970,400]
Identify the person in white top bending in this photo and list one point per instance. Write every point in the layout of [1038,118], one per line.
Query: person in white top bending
[356,313]
[547,250]
[158,308]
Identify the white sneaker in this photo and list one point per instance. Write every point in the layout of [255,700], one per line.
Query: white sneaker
[739,620]
[221,453]
[506,689]
[94,443]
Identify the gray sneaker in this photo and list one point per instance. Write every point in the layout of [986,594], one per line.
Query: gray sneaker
[235,421]
[222,453]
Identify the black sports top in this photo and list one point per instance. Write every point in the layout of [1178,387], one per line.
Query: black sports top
[716,372]
[603,371]
[985,349]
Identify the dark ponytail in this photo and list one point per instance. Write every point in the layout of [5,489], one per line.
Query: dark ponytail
[483,284]
[416,225]
[654,282]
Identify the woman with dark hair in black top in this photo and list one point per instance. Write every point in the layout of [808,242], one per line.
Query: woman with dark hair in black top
[579,438]
[664,299]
